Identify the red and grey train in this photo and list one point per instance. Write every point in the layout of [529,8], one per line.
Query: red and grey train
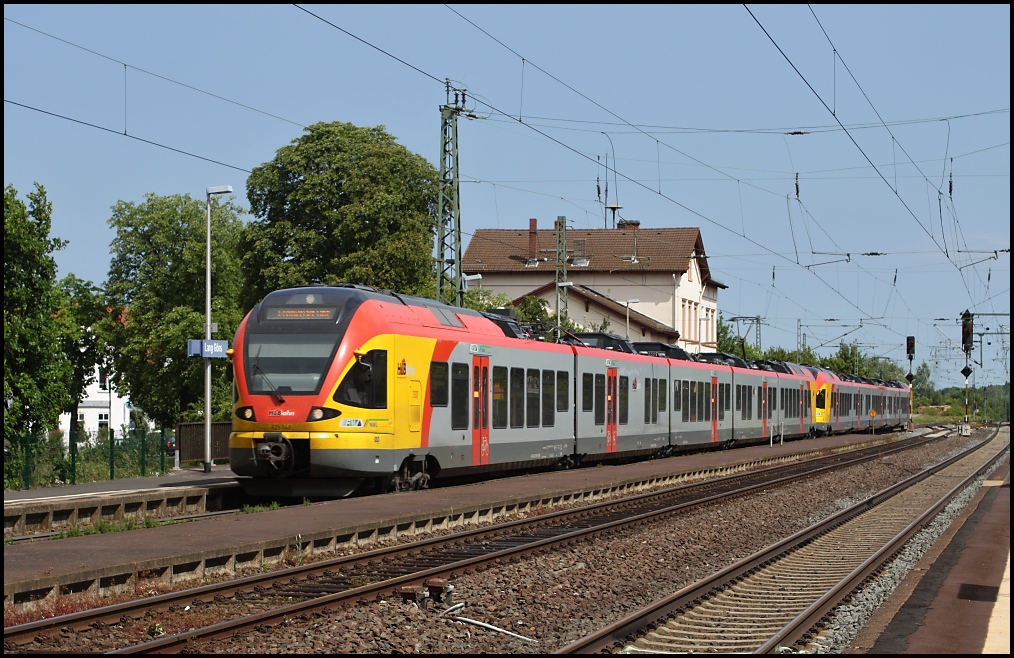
[344,385]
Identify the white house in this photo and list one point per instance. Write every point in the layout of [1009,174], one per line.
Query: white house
[652,284]
[101,408]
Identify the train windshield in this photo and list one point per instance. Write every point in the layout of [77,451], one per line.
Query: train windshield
[287,364]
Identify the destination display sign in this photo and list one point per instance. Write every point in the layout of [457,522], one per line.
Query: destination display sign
[302,313]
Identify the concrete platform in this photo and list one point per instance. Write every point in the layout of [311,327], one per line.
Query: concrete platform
[177,493]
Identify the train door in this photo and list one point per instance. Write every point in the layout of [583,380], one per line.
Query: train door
[802,408]
[612,390]
[764,409]
[480,410]
[714,409]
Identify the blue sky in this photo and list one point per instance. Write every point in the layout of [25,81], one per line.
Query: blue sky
[707,113]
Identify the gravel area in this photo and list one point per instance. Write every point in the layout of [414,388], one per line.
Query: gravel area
[546,601]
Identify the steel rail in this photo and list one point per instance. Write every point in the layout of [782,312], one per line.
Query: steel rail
[663,610]
[796,630]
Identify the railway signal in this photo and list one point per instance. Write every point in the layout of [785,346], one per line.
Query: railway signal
[967,331]
[910,349]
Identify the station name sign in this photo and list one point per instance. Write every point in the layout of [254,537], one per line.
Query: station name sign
[209,349]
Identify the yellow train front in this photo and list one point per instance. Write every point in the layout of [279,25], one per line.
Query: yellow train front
[333,391]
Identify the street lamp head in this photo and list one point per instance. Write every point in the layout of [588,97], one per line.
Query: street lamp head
[565,284]
[632,301]
[220,189]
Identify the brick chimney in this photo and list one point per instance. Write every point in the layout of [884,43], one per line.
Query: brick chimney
[533,238]
[632,224]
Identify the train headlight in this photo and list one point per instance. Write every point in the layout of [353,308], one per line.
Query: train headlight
[322,413]
[246,413]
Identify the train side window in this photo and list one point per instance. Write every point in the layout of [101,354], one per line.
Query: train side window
[701,401]
[587,392]
[624,401]
[662,394]
[771,403]
[484,408]
[739,397]
[476,397]
[600,399]
[459,396]
[676,406]
[517,397]
[693,402]
[654,401]
[721,401]
[499,397]
[548,398]
[647,400]
[686,401]
[533,391]
[562,390]
[365,384]
[439,383]
[707,400]
[728,397]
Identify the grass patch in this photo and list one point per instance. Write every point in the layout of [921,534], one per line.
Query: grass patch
[250,509]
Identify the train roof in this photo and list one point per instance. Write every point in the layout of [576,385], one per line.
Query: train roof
[722,358]
[663,350]
[606,341]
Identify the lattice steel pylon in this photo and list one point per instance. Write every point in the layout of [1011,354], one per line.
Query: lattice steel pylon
[448,243]
[561,264]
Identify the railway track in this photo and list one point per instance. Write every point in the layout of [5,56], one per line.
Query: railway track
[775,598]
[421,568]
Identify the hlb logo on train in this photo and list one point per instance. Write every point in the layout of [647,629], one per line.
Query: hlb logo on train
[209,349]
[281,412]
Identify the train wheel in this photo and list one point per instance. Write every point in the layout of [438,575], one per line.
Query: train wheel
[412,475]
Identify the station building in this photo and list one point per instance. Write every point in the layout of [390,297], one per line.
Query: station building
[650,284]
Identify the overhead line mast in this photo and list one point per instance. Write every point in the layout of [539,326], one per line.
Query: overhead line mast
[448,244]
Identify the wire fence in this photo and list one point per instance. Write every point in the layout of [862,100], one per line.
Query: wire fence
[48,459]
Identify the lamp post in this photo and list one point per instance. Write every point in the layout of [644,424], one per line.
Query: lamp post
[221,189]
[627,304]
[470,277]
[700,342]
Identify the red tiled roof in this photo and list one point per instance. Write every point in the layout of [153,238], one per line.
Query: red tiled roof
[648,250]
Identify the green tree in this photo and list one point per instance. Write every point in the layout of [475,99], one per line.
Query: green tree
[483,299]
[732,344]
[156,295]
[36,372]
[341,204]
[922,385]
[848,359]
[82,308]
